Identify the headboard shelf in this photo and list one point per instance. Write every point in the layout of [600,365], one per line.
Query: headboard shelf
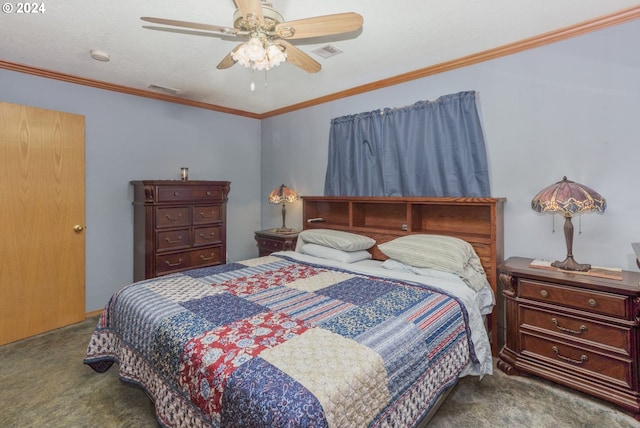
[478,221]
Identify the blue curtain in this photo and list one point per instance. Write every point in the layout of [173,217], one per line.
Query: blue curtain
[431,148]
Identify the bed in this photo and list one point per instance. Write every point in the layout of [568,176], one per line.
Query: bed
[321,336]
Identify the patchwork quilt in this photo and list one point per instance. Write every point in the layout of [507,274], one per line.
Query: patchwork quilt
[279,342]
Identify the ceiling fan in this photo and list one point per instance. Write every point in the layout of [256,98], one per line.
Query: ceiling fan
[266,35]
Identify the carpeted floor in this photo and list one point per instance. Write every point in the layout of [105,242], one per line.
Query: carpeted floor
[43,383]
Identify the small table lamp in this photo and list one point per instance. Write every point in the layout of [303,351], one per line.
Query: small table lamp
[281,195]
[569,199]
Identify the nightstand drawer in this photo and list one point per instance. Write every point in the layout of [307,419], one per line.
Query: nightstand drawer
[592,301]
[576,360]
[608,337]
[270,245]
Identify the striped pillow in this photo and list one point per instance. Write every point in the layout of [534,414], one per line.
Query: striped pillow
[445,253]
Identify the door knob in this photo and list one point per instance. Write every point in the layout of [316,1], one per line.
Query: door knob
[78,228]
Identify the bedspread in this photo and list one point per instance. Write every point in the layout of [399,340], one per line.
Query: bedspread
[275,341]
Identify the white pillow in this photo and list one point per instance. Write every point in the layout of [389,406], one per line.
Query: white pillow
[337,239]
[334,254]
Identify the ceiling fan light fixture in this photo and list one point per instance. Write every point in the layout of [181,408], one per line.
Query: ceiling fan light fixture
[254,50]
[259,54]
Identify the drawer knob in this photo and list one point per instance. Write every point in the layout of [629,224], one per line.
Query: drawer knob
[582,359]
[544,293]
[173,242]
[207,258]
[210,236]
[593,303]
[582,328]
[204,215]
[176,193]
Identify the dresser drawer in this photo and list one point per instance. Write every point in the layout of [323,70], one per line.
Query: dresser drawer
[191,193]
[207,257]
[206,235]
[167,263]
[207,214]
[207,193]
[567,296]
[172,217]
[592,365]
[173,239]
[609,337]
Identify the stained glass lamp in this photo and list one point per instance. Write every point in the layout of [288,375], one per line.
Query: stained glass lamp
[569,199]
[281,195]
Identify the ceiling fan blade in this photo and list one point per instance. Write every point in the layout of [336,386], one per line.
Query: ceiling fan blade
[320,26]
[298,58]
[250,7]
[186,24]
[228,60]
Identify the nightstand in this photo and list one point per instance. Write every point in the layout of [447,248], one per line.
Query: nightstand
[574,329]
[270,241]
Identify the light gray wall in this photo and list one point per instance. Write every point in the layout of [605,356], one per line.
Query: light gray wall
[131,138]
[571,108]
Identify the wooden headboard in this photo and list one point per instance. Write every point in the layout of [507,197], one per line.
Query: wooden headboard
[478,221]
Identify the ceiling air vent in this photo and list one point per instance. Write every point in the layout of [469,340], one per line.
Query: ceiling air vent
[327,51]
[164,89]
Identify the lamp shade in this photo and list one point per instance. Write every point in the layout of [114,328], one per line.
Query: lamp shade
[568,198]
[282,194]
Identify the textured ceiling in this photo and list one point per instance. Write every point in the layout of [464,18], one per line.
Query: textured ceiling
[397,38]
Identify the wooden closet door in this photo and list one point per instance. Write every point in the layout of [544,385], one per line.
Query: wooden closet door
[42,218]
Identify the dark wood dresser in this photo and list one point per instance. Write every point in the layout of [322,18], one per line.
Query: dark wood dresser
[577,330]
[178,225]
[270,241]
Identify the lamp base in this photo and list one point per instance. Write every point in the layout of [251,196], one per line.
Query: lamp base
[570,264]
[283,230]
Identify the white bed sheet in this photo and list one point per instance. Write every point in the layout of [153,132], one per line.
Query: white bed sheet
[477,303]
